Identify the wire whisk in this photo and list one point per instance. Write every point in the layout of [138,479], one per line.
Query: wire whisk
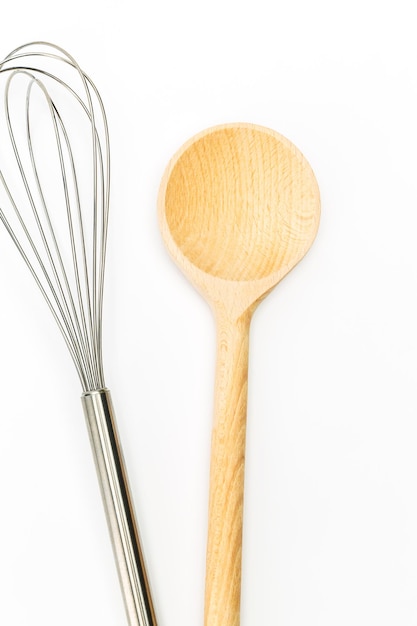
[54,204]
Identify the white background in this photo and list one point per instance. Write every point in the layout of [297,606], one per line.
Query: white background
[331,502]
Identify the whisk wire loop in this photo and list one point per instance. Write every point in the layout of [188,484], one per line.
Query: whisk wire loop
[73,286]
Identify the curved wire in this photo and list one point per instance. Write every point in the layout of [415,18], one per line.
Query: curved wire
[73,287]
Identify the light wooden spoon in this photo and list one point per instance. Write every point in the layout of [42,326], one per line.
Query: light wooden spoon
[239,207]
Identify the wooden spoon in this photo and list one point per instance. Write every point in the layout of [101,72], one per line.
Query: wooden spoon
[239,207]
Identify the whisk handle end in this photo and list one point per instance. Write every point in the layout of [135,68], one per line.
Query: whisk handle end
[118,505]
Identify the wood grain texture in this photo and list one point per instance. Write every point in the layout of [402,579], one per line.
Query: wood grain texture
[239,207]
[224,546]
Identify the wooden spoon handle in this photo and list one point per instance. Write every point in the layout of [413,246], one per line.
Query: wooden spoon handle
[224,548]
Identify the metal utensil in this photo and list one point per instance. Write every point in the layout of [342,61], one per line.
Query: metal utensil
[54,155]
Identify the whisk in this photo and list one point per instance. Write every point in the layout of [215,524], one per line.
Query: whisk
[54,204]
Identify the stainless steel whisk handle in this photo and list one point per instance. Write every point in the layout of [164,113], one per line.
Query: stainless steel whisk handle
[118,506]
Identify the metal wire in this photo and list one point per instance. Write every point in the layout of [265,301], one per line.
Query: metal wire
[61,236]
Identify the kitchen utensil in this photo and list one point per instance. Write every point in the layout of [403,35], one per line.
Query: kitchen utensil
[238,208]
[54,146]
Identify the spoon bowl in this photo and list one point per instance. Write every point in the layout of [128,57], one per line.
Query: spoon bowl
[239,207]
[238,203]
